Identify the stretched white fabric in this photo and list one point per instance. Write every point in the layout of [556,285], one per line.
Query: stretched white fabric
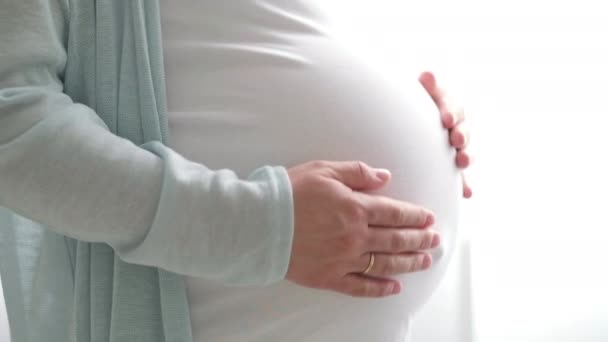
[268,82]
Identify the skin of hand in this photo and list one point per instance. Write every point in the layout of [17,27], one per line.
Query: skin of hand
[337,225]
[453,119]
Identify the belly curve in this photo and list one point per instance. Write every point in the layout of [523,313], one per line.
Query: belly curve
[307,97]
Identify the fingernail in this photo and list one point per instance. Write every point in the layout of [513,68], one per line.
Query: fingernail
[463,160]
[383,174]
[448,119]
[396,288]
[462,139]
[469,193]
[426,262]
[389,289]
[430,219]
[436,240]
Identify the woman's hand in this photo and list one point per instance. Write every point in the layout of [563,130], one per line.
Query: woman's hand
[453,118]
[337,226]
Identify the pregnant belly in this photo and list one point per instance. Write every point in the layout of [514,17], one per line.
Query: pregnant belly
[301,98]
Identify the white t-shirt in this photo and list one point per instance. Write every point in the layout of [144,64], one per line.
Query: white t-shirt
[257,82]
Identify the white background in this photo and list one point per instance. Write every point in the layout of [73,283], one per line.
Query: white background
[534,78]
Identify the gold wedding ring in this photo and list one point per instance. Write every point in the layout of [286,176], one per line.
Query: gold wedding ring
[372,258]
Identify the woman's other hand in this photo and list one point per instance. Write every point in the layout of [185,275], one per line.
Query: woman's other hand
[453,118]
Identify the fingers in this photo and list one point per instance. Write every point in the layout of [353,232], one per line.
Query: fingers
[459,139]
[386,265]
[373,283]
[451,114]
[390,240]
[358,175]
[463,160]
[358,285]
[452,117]
[459,136]
[429,82]
[387,212]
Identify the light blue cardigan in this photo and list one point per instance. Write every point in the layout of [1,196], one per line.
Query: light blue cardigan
[99,218]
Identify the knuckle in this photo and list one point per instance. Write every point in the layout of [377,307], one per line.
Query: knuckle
[421,216]
[349,243]
[411,240]
[412,264]
[372,216]
[319,164]
[398,216]
[398,242]
[356,211]
[363,290]
[422,241]
[362,167]
[388,266]
[363,170]
[427,240]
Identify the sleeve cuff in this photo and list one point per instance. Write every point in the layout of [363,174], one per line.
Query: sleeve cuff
[282,230]
[210,224]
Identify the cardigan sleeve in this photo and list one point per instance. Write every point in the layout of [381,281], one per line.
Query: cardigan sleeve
[62,167]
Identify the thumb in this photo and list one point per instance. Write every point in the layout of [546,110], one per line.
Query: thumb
[429,82]
[359,176]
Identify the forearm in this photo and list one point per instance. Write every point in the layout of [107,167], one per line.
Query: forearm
[61,166]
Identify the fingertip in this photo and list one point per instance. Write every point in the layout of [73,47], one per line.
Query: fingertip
[395,288]
[398,287]
[383,175]
[460,139]
[435,242]
[427,260]
[448,120]
[463,160]
[468,193]
[430,220]
[427,76]
[456,139]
